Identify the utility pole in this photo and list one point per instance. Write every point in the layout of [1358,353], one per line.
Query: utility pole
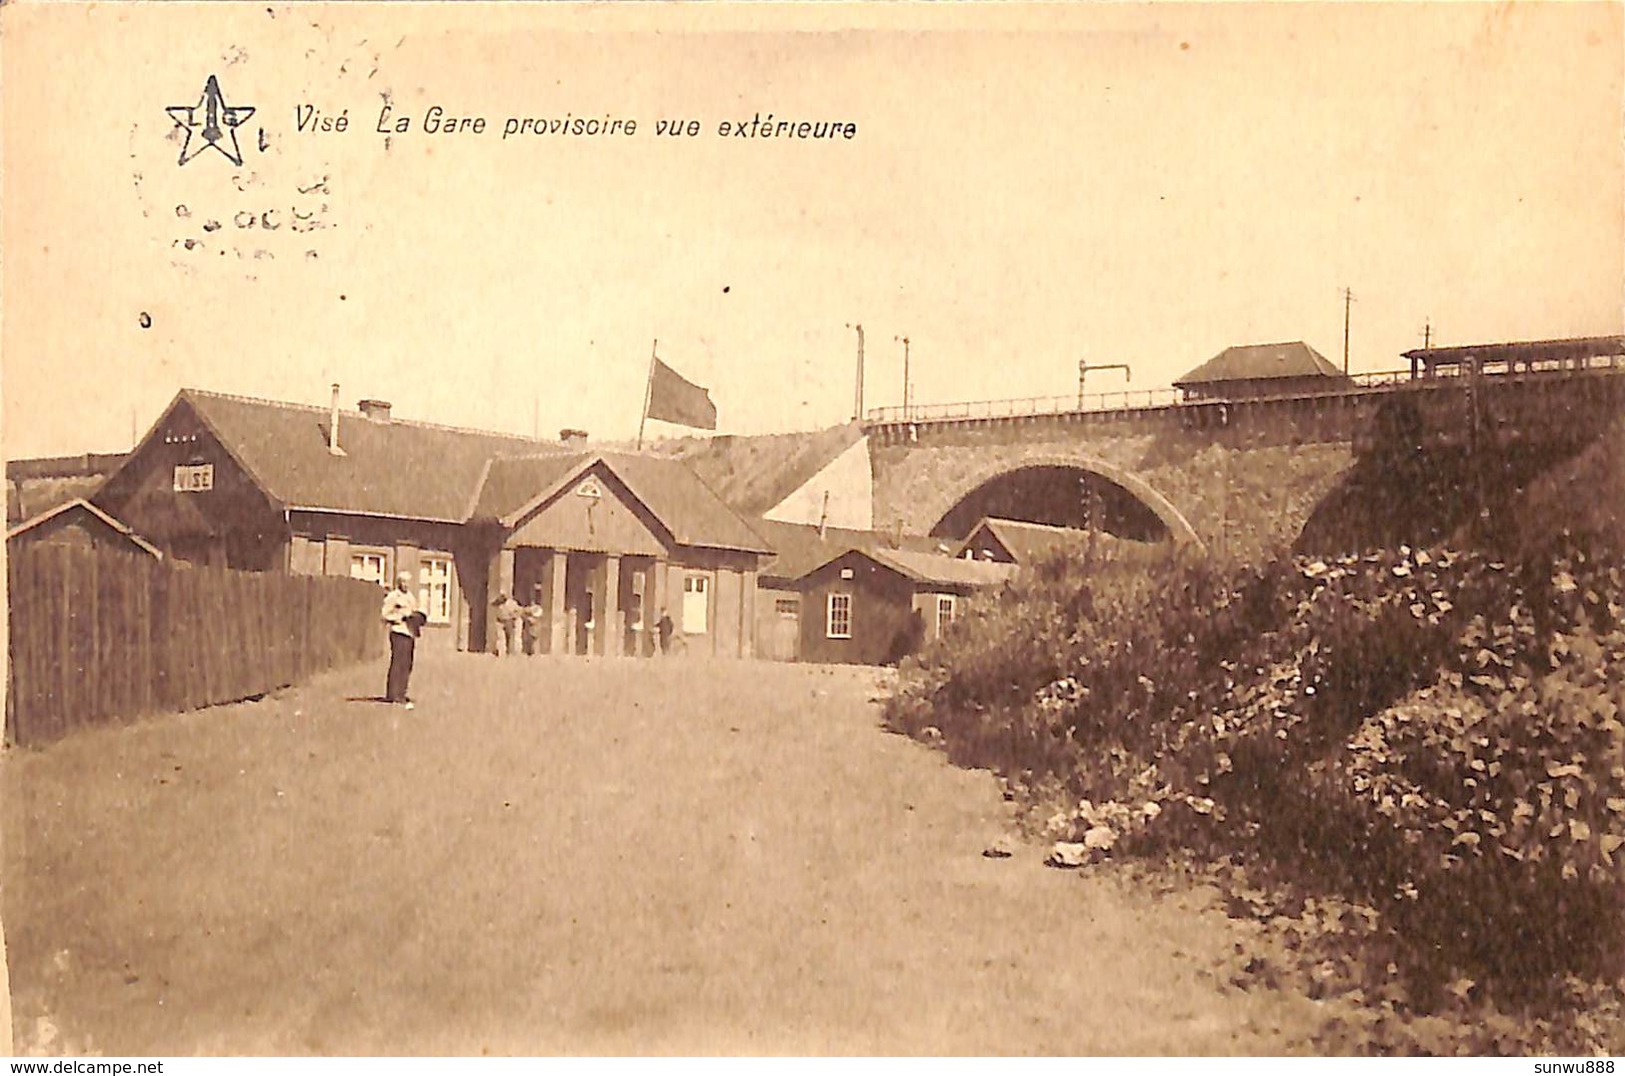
[904,339]
[857,395]
[1348,300]
[1084,366]
[1427,343]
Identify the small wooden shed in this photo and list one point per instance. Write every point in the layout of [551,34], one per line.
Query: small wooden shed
[872,607]
[80,524]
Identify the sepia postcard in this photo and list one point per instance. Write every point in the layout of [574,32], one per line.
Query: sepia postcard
[812,529]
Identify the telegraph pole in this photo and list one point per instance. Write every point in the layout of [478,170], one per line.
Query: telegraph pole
[904,339]
[857,395]
[1348,300]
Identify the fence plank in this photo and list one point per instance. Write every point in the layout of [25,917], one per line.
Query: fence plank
[98,636]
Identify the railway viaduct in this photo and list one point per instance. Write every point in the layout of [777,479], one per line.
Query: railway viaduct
[1242,478]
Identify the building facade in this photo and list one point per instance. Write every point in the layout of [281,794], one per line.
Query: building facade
[599,542]
[873,607]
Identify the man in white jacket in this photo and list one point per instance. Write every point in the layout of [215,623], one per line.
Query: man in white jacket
[401,614]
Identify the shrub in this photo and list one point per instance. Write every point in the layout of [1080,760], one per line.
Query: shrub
[1432,735]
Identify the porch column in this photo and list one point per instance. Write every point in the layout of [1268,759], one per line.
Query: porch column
[747,613]
[556,626]
[595,611]
[613,628]
[498,581]
[505,568]
[656,596]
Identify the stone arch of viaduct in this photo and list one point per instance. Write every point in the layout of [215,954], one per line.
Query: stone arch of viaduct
[938,503]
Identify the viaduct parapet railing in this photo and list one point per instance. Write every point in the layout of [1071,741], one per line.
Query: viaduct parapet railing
[1144,401]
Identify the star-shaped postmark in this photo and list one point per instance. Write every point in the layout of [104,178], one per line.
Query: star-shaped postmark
[214,120]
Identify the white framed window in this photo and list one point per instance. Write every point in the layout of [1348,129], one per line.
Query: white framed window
[696,604]
[787,607]
[945,611]
[371,566]
[838,617]
[434,588]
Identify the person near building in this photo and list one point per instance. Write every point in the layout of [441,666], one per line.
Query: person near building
[404,619]
[507,614]
[534,617]
[663,629]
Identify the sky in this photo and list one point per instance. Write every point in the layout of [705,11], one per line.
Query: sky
[1029,186]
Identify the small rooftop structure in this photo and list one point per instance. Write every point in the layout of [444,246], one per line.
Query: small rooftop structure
[1578,352]
[1253,370]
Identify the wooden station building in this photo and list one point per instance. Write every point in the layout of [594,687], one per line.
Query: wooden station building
[600,541]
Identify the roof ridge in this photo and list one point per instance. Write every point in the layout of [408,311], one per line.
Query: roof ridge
[1275,343]
[561,451]
[290,405]
[1006,521]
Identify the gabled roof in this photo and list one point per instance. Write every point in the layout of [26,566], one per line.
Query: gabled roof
[410,470]
[84,506]
[798,547]
[686,507]
[929,568]
[1025,541]
[937,568]
[1261,362]
[510,483]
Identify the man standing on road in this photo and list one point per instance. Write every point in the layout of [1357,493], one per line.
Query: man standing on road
[400,612]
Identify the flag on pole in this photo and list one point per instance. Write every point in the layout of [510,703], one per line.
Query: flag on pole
[673,398]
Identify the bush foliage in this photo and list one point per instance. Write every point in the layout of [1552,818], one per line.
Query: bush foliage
[1427,743]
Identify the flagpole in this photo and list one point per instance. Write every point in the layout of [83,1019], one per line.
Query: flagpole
[648,389]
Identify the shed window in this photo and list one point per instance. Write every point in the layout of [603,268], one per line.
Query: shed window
[786,606]
[945,612]
[838,620]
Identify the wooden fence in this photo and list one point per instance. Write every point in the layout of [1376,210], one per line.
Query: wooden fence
[98,636]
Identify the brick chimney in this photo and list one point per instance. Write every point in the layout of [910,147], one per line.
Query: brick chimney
[376,410]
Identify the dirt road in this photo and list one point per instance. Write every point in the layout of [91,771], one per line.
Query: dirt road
[574,856]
